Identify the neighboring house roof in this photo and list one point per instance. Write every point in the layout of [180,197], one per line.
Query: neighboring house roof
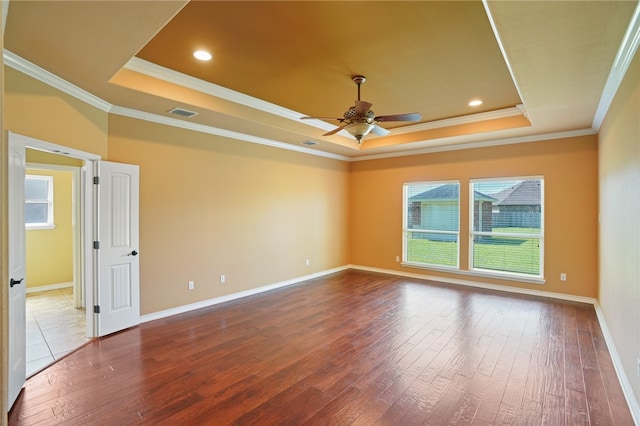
[525,193]
[447,192]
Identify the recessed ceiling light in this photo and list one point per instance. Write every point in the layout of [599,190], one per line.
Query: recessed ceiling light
[309,143]
[475,102]
[202,55]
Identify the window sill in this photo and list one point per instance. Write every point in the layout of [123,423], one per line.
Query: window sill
[39,227]
[480,274]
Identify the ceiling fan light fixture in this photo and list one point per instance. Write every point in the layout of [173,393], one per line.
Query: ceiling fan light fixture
[359,130]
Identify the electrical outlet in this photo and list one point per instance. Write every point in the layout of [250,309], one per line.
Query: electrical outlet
[563,277]
[222,279]
[307,262]
[192,285]
[397,258]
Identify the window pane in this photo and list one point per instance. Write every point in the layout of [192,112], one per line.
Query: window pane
[507,206]
[507,254]
[36,189]
[503,210]
[432,208]
[432,249]
[36,212]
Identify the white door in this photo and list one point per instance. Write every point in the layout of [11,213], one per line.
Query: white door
[17,286]
[118,293]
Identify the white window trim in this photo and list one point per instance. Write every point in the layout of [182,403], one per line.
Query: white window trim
[405,230]
[537,279]
[50,224]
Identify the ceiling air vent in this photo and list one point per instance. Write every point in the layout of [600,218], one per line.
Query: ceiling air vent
[182,112]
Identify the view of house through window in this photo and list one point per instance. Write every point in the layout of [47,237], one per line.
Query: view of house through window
[507,226]
[431,223]
[38,194]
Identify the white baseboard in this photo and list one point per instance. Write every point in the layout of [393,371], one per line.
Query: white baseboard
[48,287]
[627,390]
[467,283]
[234,296]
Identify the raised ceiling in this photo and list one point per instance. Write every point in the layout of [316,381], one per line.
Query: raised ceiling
[539,67]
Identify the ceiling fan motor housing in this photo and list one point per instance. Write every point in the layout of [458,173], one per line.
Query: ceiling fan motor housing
[352,115]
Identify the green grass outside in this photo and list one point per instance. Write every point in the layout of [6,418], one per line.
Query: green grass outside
[519,255]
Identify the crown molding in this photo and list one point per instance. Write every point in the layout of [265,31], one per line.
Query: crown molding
[487,9]
[201,128]
[166,74]
[22,65]
[480,144]
[463,119]
[621,63]
[32,70]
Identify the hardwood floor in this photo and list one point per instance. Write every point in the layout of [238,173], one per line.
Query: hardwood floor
[350,348]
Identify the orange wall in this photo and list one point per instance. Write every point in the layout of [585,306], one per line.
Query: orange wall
[211,206]
[569,167]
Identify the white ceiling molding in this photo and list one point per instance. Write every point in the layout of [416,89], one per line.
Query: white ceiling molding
[32,70]
[625,55]
[52,80]
[465,119]
[485,3]
[20,64]
[201,128]
[166,74]
[480,144]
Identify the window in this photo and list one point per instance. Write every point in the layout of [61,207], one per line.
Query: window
[38,202]
[507,226]
[431,224]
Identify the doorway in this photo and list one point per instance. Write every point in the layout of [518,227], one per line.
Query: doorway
[55,306]
[110,268]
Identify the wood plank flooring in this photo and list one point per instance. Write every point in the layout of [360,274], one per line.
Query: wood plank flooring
[352,348]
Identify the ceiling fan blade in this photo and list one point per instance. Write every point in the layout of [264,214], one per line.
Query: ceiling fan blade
[362,107]
[321,118]
[336,130]
[400,117]
[380,131]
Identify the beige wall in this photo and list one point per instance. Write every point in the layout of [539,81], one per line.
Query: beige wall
[619,171]
[569,167]
[39,111]
[211,206]
[49,252]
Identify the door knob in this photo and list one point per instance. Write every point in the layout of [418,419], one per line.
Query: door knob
[133,253]
[13,282]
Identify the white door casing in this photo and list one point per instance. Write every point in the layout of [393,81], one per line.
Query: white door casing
[118,293]
[17,283]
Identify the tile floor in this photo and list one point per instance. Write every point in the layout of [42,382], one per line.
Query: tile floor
[54,328]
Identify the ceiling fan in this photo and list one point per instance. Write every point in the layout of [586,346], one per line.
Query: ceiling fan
[359,120]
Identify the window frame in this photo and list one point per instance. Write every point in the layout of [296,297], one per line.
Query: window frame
[539,278]
[406,230]
[49,224]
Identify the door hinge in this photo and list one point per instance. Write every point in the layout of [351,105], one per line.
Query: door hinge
[96,309]
[96,245]
[96,180]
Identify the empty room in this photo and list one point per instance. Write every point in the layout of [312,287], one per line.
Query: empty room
[309,212]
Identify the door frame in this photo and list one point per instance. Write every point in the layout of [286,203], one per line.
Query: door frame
[87,226]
